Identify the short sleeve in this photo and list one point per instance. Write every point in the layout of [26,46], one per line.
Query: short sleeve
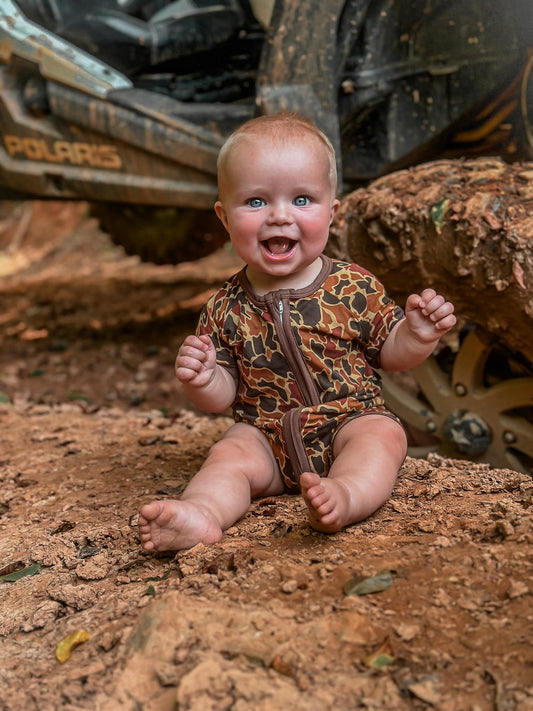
[374,315]
[215,323]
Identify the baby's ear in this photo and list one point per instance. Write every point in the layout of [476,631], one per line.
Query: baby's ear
[221,214]
[334,207]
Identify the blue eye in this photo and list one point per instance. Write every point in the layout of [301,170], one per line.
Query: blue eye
[256,202]
[301,201]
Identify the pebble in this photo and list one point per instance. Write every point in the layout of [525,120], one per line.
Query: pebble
[289,586]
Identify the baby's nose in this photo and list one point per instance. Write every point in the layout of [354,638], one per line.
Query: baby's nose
[280,212]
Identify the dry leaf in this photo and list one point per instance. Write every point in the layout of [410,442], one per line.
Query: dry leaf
[65,647]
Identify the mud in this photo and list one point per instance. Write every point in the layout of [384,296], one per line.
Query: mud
[93,424]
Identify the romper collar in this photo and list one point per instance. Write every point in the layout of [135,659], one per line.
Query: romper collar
[289,293]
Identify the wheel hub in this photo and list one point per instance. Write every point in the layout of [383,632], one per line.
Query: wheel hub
[467,432]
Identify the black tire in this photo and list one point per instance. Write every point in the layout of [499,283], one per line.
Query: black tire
[163,235]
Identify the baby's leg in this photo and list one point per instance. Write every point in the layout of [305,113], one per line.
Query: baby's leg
[239,467]
[368,452]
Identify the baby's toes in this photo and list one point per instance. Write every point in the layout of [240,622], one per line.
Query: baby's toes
[320,498]
[326,507]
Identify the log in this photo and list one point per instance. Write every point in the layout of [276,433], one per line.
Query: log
[464,227]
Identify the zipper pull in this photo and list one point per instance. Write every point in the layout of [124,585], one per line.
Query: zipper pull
[280,309]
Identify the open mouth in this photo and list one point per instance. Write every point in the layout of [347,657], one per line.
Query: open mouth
[279,246]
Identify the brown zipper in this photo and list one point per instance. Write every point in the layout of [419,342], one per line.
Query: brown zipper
[279,307]
[292,436]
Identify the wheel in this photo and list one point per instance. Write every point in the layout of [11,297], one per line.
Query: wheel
[164,235]
[475,403]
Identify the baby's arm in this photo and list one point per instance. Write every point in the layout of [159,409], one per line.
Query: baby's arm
[206,384]
[428,316]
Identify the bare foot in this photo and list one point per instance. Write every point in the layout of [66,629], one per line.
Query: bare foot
[328,502]
[172,525]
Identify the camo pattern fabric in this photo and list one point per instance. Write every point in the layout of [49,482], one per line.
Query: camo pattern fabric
[304,360]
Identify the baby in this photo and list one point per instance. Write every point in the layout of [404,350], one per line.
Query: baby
[291,343]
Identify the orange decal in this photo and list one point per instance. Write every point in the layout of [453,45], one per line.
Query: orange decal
[74,153]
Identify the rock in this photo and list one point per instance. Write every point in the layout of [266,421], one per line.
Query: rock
[95,568]
[79,597]
[47,612]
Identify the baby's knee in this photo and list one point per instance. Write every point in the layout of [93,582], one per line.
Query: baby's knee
[396,438]
[223,449]
[234,448]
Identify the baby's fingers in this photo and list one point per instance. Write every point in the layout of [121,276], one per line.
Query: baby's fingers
[444,317]
[430,301]
[194,347]
[192,353]
[185,375]
[191,370]
[201,343]
[440,313]
[435,305]
[195,360]
[189,362]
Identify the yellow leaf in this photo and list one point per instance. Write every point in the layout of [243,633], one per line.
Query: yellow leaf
[438,211]
[65,647]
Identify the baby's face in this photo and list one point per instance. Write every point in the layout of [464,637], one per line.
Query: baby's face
[277,203]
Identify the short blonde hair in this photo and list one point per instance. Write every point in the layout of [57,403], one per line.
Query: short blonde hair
[279,127]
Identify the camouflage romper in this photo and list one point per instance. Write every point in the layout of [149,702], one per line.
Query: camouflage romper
[303,359]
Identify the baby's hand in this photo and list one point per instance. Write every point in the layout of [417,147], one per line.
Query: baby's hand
[429,315]
[196,361]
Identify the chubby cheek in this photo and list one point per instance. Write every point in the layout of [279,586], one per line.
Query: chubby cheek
[316,234]
[240,244]
[243,235]
[244,228]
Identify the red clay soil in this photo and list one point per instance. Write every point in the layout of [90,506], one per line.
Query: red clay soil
[93,424]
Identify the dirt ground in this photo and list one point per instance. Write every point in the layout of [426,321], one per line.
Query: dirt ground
[93,424]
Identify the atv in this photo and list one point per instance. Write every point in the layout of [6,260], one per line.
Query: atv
[126,103]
